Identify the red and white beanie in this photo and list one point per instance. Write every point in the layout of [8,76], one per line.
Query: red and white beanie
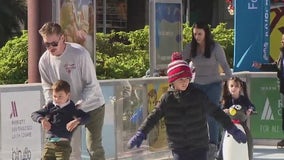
[178,68]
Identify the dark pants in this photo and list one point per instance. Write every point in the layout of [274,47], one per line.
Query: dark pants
[94,134]
[198,154]
[249,140]
[282,100]
[213,91]
[56,151]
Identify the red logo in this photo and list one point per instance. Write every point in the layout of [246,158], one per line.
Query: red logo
[14,112]
[69,67]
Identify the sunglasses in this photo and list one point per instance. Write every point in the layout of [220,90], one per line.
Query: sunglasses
[53,44]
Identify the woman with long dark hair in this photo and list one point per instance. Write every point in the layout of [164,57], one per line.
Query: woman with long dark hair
[207,58]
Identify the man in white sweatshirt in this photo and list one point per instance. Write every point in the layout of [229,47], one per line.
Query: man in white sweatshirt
[72,62]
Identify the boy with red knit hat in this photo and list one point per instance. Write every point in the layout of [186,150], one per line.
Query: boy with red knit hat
[184,108]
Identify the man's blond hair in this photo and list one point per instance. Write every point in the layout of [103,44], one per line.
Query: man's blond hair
[50,28]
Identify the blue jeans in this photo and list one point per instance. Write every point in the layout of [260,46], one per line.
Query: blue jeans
[213,91]
[198,154]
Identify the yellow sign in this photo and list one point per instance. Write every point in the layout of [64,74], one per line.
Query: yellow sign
[157,136]
[276,29]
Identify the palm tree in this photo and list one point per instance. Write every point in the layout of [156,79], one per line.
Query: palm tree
[13,14]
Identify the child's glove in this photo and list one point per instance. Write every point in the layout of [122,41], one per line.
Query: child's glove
[238,135]
[136,140]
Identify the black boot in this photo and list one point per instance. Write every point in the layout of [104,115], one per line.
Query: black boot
[280,144]
[212,152]
[219,154]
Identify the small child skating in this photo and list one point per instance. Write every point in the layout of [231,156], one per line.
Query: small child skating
[59,118]
[235,94]
[184,108]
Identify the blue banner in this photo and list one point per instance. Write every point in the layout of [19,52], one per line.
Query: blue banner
[251,33]
[168,30]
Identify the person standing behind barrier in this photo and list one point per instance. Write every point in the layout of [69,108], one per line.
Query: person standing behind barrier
[207,56]
[59,118]
[184,108]
[277,66]
[235,93]
[72,62]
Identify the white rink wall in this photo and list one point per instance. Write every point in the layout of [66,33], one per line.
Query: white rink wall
[21,138]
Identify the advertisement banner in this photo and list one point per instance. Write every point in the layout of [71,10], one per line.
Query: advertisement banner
[21,137]
[77,21]
[251,33]
[266,98]
[276,28]
[165,31]
[157,136]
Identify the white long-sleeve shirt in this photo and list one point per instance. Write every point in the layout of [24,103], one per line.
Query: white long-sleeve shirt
[207,69]
[76,67]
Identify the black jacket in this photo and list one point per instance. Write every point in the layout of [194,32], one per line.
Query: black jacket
[242,100]
[59,117]
[185,118]
[278,67]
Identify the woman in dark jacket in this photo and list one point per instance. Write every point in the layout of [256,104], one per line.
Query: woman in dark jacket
[278,67]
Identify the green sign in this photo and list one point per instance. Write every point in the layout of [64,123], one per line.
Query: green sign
[264,94]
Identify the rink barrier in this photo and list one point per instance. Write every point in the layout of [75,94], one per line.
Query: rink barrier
[128,102]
